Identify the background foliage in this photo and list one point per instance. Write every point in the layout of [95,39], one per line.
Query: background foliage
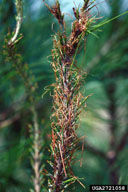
[104,123]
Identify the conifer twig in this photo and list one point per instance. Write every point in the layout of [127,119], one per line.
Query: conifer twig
[9,121]
[19,18]
[22,70]
[67,99]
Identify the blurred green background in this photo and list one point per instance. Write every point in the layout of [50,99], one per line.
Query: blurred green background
[104,123]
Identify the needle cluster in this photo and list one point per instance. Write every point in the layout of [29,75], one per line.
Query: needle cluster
[68,101]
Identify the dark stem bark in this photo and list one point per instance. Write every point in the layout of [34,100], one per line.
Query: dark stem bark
[112,127]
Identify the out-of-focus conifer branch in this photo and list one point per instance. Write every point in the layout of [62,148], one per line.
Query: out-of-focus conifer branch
[123,141]
[9,121]
[93,150]
[22,70]
[103,51]
[19,18]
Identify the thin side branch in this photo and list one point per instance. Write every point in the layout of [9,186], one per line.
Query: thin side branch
[9,121]
[19,18]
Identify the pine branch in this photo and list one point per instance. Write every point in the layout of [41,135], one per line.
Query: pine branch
[19,18]
[67,99]
[36,152]
[27,78]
